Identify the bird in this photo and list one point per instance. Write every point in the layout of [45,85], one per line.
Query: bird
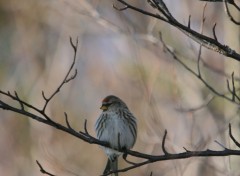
[117,126]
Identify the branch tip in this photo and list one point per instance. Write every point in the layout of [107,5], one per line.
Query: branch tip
[18,99]
[42,170]
[151,174]
[66,120]
[124,156]
[232,137]
[85,127]
[74,46]
[186,149]
[189,21]
[225,148]
[163,143]
[43,95]
[214,31]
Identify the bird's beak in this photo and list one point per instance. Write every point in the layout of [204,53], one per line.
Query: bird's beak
[104,108]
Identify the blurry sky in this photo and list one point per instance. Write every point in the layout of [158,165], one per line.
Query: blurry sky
[118,53]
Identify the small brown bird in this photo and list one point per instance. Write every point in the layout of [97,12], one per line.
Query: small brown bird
[117,126]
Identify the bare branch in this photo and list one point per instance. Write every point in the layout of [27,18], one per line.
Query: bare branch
[43,170]
[72,77]
[85,126]
[18,99]
[204,40]
[234,88]
[233,91]
[66,119]
[186,149]
[175,57]
[221,145]
[198,61]
[200,47]
[232,2]
[168,156]
[163,143]
[74,46]
[232,137]
[189,21]
[66,78]
[229,13]
[125,158]
[229,1]
[9,95]
[43,95]
[142,11]
[214,31]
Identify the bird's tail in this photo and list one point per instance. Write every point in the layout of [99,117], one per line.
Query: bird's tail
[111,166]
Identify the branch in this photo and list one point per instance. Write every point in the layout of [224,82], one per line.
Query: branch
[196,74]
[148,158]
[66,120]
[182,155]
[233,91]
[200,47]
[66,79]
[229,13]
[163,143]
[214,31]
[43,170]
[232,137]
[232,2]
[207,42]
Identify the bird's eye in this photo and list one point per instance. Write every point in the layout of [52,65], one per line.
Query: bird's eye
[107,104]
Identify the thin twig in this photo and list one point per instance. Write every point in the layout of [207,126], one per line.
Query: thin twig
[229,14]
[175,57]
[85,126]
[186,149]
[232,137]
[189,21]
[66,120]
[200,47]
[43,170]
[233,91]
[18,99]
[163,143]
[66,78]
[124,156]
[234,88]
[220,144]
[204,40]
[214,31]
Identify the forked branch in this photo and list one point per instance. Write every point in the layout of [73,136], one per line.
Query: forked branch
[66,79]
[166,16]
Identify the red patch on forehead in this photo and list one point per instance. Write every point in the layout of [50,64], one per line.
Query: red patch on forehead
[105,99]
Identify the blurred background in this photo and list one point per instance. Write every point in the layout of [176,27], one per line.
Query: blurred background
[118,53]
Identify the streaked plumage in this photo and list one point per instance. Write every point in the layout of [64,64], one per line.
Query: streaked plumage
[115,125]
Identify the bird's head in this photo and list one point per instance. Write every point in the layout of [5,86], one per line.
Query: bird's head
[112,102]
